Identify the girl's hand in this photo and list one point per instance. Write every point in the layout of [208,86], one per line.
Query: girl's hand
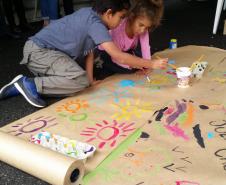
[159,63]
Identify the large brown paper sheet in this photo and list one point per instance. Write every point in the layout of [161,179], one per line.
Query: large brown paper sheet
[184,141]
[183,130]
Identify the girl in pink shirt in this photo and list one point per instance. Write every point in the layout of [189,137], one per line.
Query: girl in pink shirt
[132,35]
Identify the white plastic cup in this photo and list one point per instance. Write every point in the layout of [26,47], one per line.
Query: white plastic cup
[183,76]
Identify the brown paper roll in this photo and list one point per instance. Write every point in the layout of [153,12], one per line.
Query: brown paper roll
[50,166]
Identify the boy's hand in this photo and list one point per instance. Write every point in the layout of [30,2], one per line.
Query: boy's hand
[143,71]
[159,63]
[95,82]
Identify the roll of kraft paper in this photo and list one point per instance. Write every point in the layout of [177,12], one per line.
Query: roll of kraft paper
[50,166]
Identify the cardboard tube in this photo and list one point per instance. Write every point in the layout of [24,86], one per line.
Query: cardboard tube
[48,165]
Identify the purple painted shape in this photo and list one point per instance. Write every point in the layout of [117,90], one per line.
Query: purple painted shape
[181,108]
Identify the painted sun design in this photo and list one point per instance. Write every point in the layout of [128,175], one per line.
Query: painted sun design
[72,106]
[33,125]
[107,133]
[127,110]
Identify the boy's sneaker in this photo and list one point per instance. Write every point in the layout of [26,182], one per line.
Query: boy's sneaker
[28,89]
[9,89]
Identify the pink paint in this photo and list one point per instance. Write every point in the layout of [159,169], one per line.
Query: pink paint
[169,110]
[114,132]
[186,183]
[176,131]
[101,145]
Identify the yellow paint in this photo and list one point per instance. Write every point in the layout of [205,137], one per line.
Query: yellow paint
[221,80]
[127,110]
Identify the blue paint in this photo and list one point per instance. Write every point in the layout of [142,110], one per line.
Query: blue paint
[172,70]
[210,135]
[127,83]
[171,62]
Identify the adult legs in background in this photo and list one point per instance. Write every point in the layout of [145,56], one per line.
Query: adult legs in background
[49,10]
[68,7]
[4,30]
[19,8]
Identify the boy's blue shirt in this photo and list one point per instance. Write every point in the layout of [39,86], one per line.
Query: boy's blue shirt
[76,34]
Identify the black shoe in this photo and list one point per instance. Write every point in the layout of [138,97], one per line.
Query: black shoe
[9,89]
[26,27]
[28,89]
[13,35]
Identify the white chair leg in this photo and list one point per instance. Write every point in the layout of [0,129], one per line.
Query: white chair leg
[217,15]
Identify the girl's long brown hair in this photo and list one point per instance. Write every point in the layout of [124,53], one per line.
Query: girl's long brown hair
[152,9]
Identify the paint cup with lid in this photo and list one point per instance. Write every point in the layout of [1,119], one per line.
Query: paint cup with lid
[173,44]
[183,77]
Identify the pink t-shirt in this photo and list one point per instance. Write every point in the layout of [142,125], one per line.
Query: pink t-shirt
[124,43]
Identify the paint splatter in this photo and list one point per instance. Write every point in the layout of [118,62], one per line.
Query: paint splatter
[107,132]
[127,83]
[198,136]
[171,61]
[176,131]
[181,108]
[144,135]
[160,114]
[186,183]
[117,94]
[210,135]
[204,107]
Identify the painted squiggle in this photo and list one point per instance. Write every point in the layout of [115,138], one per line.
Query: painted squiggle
[176,131]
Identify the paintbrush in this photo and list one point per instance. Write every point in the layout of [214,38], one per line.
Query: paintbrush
[171,65]
[200,58]
[147,77]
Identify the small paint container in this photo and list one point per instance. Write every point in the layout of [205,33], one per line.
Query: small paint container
[183,77]
[173,44]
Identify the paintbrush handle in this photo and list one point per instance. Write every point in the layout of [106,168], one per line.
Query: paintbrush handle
[173,66]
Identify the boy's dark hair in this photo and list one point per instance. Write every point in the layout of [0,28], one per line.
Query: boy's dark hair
[101,6]
[153,9]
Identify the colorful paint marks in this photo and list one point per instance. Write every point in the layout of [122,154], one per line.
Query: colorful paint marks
[107,133]
[72,106]
[176,117]
[121,94]
[198,135]
[176,131]
[210,135]
[127,83]
[33,125]
[129,109]
[186,183]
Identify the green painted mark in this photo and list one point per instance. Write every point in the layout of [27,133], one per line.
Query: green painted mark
[182,118]
[101,168]
[160,128]
[62,114]
[78,117]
